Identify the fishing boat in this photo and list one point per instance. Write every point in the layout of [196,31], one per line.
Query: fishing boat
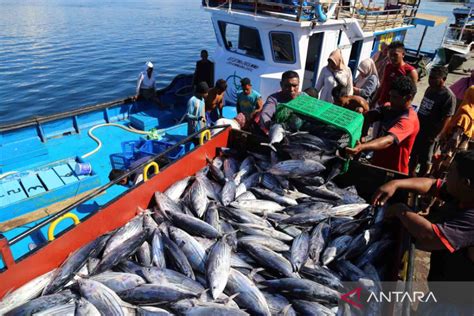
[458,37]
[41,158]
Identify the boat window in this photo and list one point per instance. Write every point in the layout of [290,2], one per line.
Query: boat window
[282,47]
[241,39]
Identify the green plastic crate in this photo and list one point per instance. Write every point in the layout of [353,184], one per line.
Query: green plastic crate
[349,121]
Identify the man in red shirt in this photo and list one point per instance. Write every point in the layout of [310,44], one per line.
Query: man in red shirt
[399,126]
[396,68]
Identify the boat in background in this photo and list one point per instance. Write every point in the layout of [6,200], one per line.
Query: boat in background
[458,38]
[256,39]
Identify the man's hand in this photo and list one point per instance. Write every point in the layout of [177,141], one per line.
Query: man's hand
[384,193]
[356,150]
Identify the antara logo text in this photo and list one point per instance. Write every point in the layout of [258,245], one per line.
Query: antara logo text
[353,297]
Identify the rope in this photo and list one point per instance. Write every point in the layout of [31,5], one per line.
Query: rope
[6,174]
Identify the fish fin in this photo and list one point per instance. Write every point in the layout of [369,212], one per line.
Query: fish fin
[285,310]
[255,271]
[269,145]
[202,296]
[227,300]
[299,133]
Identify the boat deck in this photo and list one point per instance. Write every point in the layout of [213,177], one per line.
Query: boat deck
[69,147]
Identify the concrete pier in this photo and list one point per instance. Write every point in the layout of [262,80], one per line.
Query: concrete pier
[454,76]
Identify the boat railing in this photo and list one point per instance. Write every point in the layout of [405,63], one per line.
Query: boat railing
[377,20]
[370,20]
[292,10]
[460,36]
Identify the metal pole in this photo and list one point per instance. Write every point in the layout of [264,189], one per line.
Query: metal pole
[421,41]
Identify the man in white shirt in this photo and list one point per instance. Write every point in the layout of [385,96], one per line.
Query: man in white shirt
[146,85]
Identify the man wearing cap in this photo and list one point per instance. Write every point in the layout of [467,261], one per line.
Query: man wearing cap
[146,85]
[196,114]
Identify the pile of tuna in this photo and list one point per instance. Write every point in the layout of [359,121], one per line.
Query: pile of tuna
[248,234]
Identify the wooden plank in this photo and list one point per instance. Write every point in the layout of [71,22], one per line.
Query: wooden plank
[42,212]
[50,179]
[65,173]
[14,191]
[32,185]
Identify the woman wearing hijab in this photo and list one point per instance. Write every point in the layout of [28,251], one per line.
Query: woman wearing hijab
[334,74]
[367,81]
[381,59]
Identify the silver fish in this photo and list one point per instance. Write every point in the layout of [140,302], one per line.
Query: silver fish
[26,292]
[156,293]
[249,296]
[218,267]
[86,308]
[144,254]
[194,252]
[296,168]
[271,260]
[129,230]
[257,206]
[103,298]
[228,192]
[197,198]
[176,190]
[118,281]
[271,243]
[300,251]
[336,248]
[158,250]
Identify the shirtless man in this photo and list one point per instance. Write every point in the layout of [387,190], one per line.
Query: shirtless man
[215,102]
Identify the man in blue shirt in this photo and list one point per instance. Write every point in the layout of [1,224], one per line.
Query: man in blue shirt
[249,101]
[195,113]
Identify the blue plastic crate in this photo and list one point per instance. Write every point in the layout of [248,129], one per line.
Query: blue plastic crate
[121,161]
[154,147]
[131,148]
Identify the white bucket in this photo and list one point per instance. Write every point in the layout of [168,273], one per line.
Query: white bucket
[83,169]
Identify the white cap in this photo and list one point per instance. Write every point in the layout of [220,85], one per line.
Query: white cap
[149,64]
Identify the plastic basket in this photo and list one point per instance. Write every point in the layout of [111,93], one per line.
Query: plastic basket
[131,147]
[349,121]
[120,161]
[154,147]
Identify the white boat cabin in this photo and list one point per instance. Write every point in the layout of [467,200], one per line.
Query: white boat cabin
[261,40]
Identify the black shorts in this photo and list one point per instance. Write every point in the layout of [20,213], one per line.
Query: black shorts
[423,149]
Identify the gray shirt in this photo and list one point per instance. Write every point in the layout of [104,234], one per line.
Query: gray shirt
[269,109]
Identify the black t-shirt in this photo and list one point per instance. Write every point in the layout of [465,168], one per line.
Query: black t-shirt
[455,228]
[204,72]
[435,107]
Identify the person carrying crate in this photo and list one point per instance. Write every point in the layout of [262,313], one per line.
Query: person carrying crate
[399,126]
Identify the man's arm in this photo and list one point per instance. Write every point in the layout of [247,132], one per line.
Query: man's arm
[373,145]
[413,76]
[417,226]
[220,106]
[258,108]
[387,190]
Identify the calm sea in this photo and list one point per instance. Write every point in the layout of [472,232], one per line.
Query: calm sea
[57,55]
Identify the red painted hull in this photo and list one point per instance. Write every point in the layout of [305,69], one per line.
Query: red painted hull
[112,216]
